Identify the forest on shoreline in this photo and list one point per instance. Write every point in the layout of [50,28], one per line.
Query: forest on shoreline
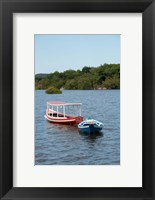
[106,76]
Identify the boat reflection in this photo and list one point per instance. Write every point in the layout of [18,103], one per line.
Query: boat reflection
[91,136]
[64,127]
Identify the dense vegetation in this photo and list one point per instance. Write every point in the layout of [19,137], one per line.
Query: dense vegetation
[53,90]
[105,76]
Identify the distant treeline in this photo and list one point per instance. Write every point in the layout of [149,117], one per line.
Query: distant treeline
[105,76]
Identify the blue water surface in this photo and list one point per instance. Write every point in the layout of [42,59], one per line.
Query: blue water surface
[57,144]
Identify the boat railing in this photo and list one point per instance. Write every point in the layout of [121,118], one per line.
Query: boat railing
[62,115]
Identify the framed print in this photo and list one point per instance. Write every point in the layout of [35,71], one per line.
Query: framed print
[77,99]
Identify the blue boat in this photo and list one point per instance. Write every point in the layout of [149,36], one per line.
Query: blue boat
[90,126]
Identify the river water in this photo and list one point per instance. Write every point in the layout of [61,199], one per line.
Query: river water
[57,144]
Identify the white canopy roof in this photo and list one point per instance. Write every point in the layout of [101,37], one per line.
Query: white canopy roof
[59,103]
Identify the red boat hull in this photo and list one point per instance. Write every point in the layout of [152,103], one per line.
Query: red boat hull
[64,120]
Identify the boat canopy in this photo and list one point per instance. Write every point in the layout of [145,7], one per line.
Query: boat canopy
[59,103]
[71,109]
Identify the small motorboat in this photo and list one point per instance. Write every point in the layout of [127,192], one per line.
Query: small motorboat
[90,126]
[63,113]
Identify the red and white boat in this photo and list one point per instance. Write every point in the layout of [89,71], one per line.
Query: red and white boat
[65,113]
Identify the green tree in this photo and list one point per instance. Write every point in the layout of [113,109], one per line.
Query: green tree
[112,83]
[107,75]
[53,90]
